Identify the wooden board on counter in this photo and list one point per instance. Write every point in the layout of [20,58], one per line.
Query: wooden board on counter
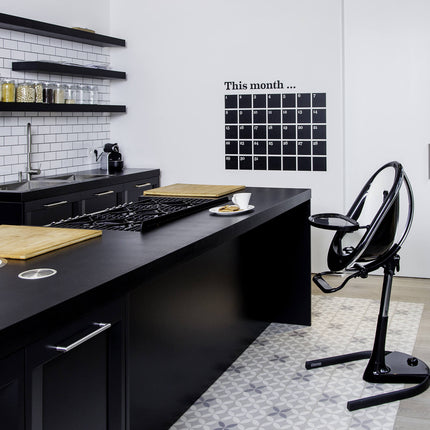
[193,190]
[22,241]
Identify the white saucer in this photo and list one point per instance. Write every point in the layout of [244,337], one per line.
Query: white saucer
[240,211]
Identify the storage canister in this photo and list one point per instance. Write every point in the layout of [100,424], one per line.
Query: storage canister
[59,94]
[48,93]
[93,95]
[70,94]
[8,91]
[25,93]
[80,96]
[38,90]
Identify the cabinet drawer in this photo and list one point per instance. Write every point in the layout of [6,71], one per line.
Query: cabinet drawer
[101,198]
[45,211]
[133,190]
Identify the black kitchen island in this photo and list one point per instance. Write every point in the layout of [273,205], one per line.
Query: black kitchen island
[184,299]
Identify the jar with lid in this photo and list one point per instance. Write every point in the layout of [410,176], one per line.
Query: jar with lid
[70,94]
[25,93]
[8,90]
[80,94]
[93,95]
[59,94]
[48,93]
[38,92]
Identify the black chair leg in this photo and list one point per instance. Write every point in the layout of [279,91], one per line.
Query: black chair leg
[338,359]
[384,366]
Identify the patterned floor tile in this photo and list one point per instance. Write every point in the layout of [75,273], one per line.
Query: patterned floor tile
[268,387]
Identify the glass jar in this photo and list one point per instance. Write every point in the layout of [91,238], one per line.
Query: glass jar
[25,93]
[38,92]
[93,95]
[79,94]
[8,91]
[48,93]
[70,94]
[59,94]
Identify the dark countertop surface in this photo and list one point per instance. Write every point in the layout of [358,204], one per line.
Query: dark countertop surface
[56,188]
[113,263]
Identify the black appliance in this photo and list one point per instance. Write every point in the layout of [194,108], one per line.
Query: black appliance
[143,215]
[111,158]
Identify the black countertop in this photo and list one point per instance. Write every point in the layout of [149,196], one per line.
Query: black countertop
[111,264]
[58,188]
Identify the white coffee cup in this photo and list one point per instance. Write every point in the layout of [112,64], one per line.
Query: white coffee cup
[241,200]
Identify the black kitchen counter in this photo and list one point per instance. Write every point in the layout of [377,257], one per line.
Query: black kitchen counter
[58,188]
[109,266]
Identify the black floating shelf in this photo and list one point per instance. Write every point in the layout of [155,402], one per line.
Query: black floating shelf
[40,28]
[42,107]
[65,69]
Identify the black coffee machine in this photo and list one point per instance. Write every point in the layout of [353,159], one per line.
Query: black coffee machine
[111,158]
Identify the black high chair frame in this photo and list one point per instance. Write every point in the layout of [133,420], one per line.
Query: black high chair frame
[376,249]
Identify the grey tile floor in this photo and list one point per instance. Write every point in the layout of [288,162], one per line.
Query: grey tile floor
[268,387]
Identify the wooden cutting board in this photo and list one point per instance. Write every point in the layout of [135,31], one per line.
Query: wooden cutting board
[22,241]
[193,190]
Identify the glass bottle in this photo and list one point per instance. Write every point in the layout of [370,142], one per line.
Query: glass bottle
[48,93]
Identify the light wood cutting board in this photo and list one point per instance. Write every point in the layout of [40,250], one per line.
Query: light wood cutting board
[193,190]
[22,241]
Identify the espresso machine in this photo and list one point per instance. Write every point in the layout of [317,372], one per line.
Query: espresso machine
[111,159]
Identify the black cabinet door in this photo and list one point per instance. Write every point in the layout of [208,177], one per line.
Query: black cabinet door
[75,377]
[12,392]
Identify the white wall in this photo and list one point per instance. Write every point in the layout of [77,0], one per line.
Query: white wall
[387,77]
[178,56]
[93,14]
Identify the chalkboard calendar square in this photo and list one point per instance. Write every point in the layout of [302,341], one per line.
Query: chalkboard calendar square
[273,131]
[230,101]
[245,101]
[259,101]
[260,132]
[276,131]
[245,132]
[231,131]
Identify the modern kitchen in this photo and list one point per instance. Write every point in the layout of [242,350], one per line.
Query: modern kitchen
[172,176]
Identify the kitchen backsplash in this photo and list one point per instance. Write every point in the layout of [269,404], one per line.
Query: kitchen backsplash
[62,142]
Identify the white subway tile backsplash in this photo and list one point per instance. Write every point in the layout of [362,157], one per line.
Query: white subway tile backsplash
[61,141]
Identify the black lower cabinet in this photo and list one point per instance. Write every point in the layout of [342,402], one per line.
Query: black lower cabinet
[12,392]
[74,377]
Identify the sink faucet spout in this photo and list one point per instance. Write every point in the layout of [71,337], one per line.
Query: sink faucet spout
[29,171]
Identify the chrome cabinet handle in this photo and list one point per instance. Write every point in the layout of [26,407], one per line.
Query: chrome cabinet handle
[143,185]
[49,205]
[104,193]
[102,327]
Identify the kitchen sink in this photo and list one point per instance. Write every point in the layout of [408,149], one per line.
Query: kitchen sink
[73,177]
[49,181]
[30,185]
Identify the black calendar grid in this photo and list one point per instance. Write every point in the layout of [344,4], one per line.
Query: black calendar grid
[276,132]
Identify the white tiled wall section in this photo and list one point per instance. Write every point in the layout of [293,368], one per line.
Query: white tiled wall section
[62,142]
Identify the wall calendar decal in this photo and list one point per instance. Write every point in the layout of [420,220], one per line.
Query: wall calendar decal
[286,131]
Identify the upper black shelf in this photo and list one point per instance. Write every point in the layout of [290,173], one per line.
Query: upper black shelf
[40,28]
[60,69]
